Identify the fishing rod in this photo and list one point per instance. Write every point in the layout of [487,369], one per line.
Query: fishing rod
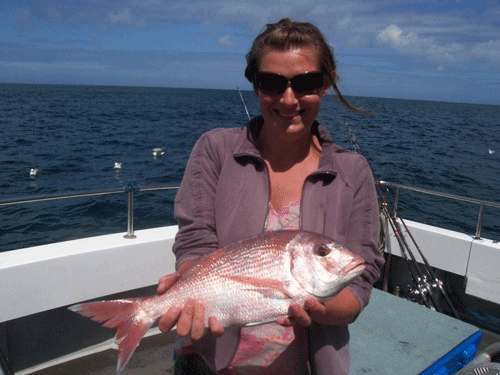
[431,272]
[244,105]
[419,279]
[428,269]
[398,232]
[413,270]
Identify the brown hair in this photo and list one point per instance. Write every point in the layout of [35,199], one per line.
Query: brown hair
[286,34]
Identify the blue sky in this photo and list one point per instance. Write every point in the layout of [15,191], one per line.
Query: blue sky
[431,50]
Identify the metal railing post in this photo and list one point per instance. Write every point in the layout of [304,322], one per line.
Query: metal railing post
[479,221]
[129,188]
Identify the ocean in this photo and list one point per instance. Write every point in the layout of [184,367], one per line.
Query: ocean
[74,135]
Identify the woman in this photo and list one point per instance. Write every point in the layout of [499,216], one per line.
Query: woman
[281,171]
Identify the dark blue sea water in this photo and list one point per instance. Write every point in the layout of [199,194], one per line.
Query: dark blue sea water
[74,135]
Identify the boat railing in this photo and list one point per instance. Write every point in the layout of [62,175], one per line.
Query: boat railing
[481,203]
[131,188]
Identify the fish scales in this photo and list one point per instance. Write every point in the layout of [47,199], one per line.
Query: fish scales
[249,282]
[234,302]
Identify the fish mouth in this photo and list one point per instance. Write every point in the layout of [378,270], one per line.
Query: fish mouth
[356,266]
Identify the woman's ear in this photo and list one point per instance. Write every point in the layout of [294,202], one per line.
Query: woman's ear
[325,90]
[330,79]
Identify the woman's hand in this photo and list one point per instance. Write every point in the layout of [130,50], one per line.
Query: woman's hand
[304,316]
[189,318]
[340,310]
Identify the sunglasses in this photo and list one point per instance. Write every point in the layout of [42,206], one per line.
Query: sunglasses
[275,84]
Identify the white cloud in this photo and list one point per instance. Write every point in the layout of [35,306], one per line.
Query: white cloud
[227,42]
[394,35]
[432,50]
[489,51]
[123,16]
[344,22]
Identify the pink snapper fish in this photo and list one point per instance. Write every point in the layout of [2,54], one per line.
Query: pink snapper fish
[252,281]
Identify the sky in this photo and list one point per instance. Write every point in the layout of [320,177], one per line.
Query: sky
[428,50]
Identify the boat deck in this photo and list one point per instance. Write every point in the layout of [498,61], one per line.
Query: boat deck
[392,336]
[153,356]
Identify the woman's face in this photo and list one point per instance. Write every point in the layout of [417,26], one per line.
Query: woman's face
[290,115]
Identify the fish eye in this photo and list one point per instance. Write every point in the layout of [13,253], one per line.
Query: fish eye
[322,251]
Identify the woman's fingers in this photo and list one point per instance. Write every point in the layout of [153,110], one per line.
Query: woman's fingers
[169,319]
[300,315]
[286,322]
[198,322]
[313,309]
[216,328]
[186,318]
[166,282]
[190,321]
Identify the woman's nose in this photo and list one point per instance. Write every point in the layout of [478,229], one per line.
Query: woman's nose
[289,97]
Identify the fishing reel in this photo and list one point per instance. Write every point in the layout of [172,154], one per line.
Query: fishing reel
[424,289]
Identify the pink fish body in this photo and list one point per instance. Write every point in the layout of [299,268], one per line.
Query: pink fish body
[249,282]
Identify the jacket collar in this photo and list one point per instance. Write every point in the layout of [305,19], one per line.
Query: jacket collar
[248,145]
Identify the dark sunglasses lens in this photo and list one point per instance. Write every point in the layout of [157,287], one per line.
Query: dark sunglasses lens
[307,83]
[271,83]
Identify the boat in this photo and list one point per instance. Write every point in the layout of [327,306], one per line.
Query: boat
[395,334]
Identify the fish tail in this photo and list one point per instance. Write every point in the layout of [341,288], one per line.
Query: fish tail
[126,315]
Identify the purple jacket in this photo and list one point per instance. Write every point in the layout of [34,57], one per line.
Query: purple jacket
[224,197]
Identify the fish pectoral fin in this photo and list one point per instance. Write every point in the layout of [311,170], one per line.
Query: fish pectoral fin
[271,320]
[265,286]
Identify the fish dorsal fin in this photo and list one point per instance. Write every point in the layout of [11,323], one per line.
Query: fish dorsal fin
[262,285]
